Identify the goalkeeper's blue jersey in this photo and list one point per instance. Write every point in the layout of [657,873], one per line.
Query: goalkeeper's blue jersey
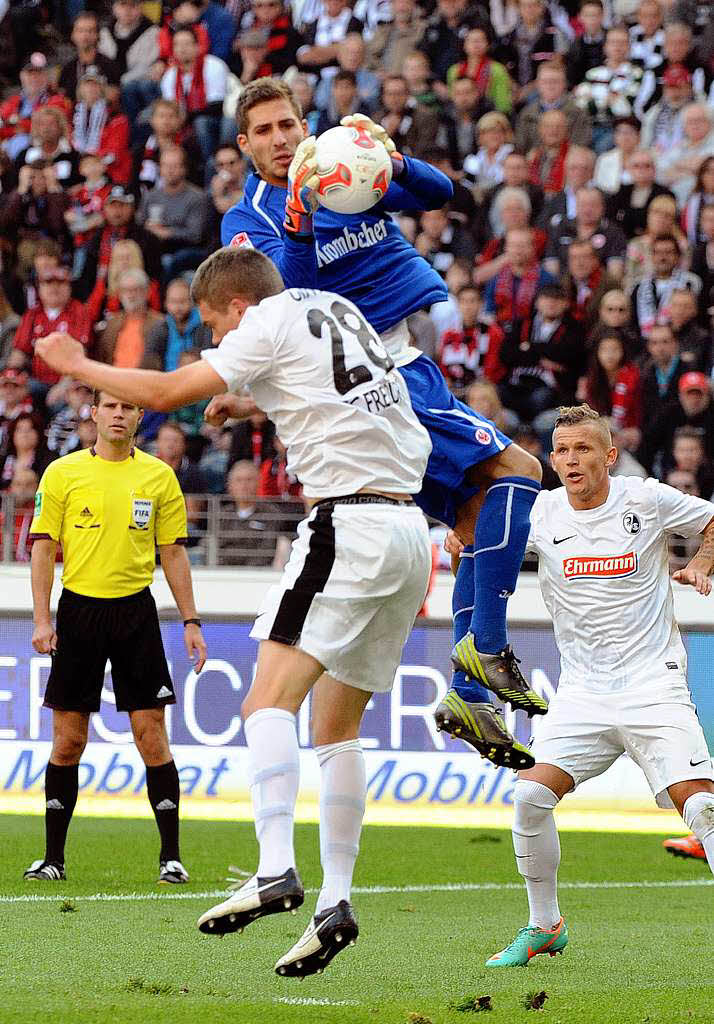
[363,256]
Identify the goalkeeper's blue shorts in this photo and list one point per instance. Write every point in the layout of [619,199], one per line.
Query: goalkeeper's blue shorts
[460,438]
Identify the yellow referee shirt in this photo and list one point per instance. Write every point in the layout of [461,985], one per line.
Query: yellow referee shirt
[108,517]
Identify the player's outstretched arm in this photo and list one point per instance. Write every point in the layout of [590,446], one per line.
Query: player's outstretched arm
[151,389]
[697,572]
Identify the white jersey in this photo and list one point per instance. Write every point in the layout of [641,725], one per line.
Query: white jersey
[319,371]
[605,580]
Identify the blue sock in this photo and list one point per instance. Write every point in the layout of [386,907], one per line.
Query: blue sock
[462,606]
[499,545]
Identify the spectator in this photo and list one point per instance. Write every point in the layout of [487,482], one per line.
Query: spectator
[441,240]
[446,315]
[661,373]
[49,142]
[8,325]
[612,168]
[56,311]
[615,314]
[661,219]
[579,167]
[218,22]
[272,26]
[171,449]
[198,84]
[17,111]
[226,187]
[304,94]
[15,399]
[647,36]
[689,456]
[482,397]
[586,282]
[190,417]
[323,36]
[532,42]
[679,167]
[629,205]
[61,431]
[613,388]
[491,79]
[588,50]
[351,55]
[168,129]
[662,123]
[483,167]
[123,340]
[99,127]
[420,81]
[131,40]
[22,487]
[252,440]
[277,482]
[528,438]
[343,99]
[104,300]
[544,356]
[249,528]
[85,36]
[609,92]
[513,211]
[551,94]
[84,218]
[546,163]
[175,215]
[472,351]
[392,41]
[33,212]
[214,460]
[692,408]
[180,331]
[26,448]
[694,341]
[412,127]
[678,52]
[515,175]
[703,260]
[445,30]
[588,225]
[511,293]
[651,297]
[701,197]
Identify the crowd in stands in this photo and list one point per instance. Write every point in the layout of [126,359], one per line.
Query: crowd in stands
[578,249]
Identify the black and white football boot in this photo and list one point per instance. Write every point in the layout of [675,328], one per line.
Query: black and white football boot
[45,871]
[172,872]
[257,897]
[328,933]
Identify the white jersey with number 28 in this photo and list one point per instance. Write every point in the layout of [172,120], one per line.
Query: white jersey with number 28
[319,371]
[605,580]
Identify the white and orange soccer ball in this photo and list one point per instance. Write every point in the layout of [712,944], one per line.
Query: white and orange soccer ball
[354,170]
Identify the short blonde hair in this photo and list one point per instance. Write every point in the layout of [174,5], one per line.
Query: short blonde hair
[576,415]
[495,119]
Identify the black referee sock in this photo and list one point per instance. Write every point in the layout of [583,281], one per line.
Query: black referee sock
[162,784]
[61,788]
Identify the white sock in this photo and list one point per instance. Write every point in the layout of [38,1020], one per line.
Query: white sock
[343,791]
[275,776]
[698,812]
[537,848]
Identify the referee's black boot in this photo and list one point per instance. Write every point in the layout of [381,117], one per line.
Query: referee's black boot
[45,871]
[257,897]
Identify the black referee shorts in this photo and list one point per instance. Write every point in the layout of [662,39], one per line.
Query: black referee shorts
[122,630]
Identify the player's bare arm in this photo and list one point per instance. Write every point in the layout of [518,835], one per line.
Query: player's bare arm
[150,389]
[177,570]
[697,572]
[229,407]
[44,637]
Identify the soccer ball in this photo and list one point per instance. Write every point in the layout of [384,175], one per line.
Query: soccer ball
[354,170]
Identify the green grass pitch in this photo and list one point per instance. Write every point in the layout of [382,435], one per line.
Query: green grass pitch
[638,953]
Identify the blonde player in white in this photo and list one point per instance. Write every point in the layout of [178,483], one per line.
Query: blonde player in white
[357,574]
[603,569]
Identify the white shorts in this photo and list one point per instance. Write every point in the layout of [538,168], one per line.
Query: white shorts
[585,731]
[355,581]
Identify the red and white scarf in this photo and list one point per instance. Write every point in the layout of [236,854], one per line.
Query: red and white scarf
[195,99]
[514,296]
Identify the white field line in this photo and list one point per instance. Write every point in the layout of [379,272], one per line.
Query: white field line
[311,1001]
[367,890]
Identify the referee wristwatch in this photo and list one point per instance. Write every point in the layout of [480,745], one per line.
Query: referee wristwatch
[192,622]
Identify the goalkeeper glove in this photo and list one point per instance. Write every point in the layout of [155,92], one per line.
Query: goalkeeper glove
[378,134]
[301,201]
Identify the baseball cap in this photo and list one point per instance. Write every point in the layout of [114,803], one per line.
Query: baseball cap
[119,195]
[92,73]
[694,381]
[55,274]
[677,74]
[35,62]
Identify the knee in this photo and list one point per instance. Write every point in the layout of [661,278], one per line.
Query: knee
[525,464]
[698,813]
[152,742]
[67,748]
[533,803]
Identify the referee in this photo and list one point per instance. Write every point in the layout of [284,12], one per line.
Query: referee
[108,507]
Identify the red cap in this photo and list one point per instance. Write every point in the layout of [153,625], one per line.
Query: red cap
[677,74]
[694,381]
